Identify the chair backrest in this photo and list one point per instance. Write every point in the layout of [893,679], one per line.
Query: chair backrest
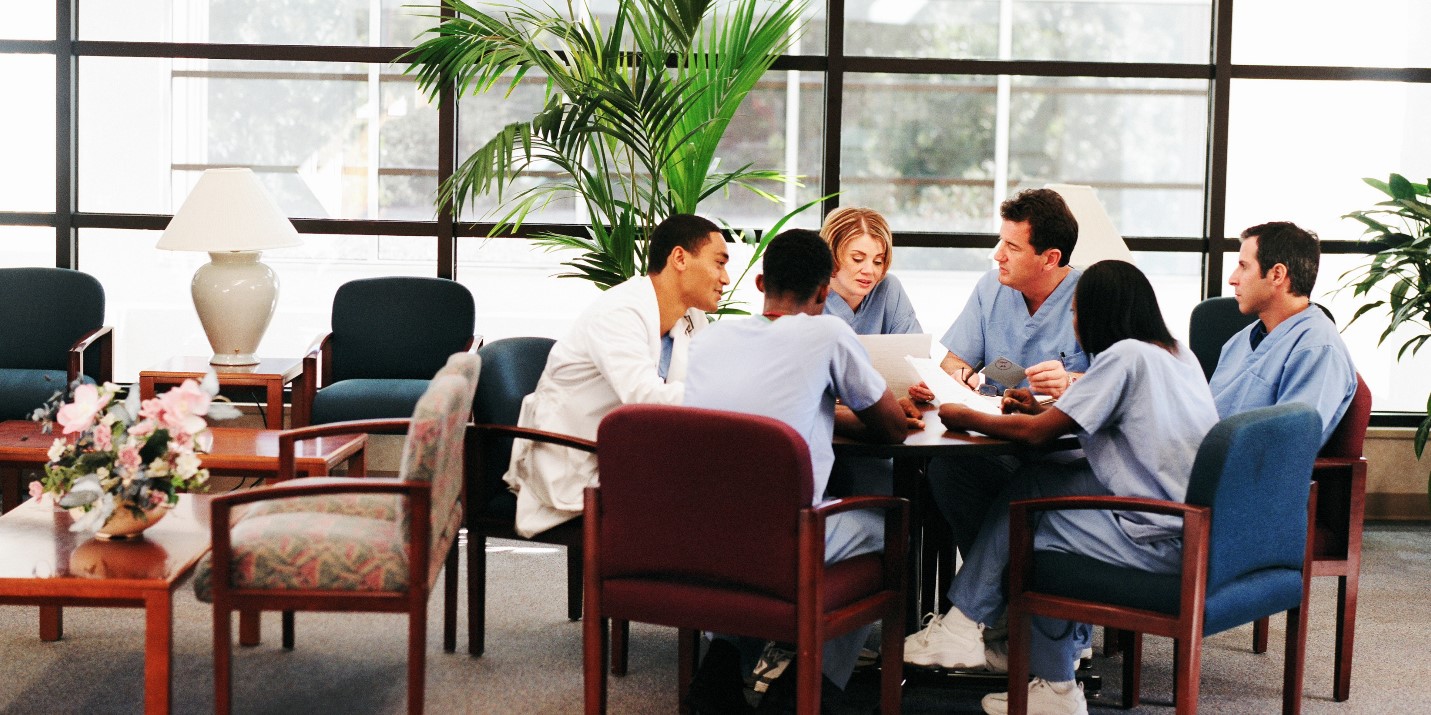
[433,451]
[1213,322]
[1349,438]
[510,370]
[399,326]
[701,495]
[45,311]
[1254,470]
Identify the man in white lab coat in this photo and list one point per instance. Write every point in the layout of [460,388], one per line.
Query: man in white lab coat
[627,347]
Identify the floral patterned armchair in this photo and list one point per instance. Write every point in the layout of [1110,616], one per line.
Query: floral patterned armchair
[344,544]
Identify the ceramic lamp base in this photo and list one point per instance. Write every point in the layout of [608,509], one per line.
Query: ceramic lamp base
[234,295]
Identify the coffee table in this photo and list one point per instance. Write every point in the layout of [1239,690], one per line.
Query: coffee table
[234,450]
[271,374]
[44,564]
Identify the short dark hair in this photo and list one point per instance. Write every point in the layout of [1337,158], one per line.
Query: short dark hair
[1114,301]
[684,230]
[797,262]
[1291,245]
[1051,223]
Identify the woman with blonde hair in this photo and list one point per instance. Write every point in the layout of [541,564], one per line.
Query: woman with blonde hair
[862,293]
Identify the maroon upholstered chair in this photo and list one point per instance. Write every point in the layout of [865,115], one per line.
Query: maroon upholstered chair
[702,521]
[1340,474]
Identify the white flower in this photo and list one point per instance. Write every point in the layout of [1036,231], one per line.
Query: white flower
[159,467]
[57,449]
[187,464]
[102,472]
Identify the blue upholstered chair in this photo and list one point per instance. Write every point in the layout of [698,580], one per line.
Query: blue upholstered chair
[389,336]
[1246,555]
[510,370]
[1212,322]
[349,544]
[53,333]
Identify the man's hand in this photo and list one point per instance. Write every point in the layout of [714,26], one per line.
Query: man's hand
[921,393]
[1020,401]
[955,417]
[914,418]
[1049,378]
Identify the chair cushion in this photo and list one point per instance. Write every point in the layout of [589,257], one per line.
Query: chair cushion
[370,506]
[45,311]
[317,551]
[23,391]
[398,326]
[725,610]
[1244,600]
[364,399]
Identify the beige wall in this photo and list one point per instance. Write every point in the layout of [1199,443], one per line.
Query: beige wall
[1395,479]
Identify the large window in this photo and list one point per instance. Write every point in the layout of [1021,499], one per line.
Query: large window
[932,111]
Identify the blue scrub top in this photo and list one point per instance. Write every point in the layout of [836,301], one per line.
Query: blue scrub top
[887,310]
[996,323]
[1302,360]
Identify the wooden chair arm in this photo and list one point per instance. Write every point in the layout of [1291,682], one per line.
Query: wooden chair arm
[289,438]
[103,337]
[836,506]
[1152,506]
[564,440]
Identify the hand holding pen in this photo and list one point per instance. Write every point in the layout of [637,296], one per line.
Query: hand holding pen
[1051,377]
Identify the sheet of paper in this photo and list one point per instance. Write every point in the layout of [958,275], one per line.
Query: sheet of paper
[887,353]
[948,390]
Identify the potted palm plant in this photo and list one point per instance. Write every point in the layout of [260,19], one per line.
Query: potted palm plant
[1399,270]
[634,112]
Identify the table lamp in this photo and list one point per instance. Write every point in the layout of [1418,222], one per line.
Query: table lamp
[229,215]
[1097,239]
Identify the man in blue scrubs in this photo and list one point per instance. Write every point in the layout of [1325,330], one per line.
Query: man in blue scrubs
[791,364]
[1023,311]
[1293,352]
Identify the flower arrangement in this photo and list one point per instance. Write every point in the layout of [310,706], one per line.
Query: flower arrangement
[127,454]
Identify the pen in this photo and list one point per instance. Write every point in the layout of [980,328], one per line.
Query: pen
[972,370]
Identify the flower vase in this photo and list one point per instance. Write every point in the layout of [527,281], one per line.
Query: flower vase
[123,524]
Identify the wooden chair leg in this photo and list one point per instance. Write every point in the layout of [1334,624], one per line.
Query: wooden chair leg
[1346,630]
[1259,635]
[688,649]
[1020,637]
[620,640]
[1113,641]
[449,600]
[1294,668]
[594,663]
[288,630]
[574,580]
[1131,643]
[1187,664]
[250,627]
[809,674]
[891,670]
[223,660]
[416,658]
[476,593]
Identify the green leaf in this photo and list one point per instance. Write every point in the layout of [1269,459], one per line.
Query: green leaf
[1400,188]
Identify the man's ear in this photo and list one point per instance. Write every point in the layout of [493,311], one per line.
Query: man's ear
[821,294]
[1278,274]
[678,258]
[1051,258]
[760,282]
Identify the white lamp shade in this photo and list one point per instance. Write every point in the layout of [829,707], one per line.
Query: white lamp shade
[228,210]
[1097,239]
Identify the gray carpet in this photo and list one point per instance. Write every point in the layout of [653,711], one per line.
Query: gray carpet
[355,663]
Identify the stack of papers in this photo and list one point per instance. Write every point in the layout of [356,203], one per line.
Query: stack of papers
[948,390]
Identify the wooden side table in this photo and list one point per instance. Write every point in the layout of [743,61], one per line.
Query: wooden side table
[272,374]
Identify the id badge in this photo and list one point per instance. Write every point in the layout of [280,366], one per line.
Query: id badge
[1005,372]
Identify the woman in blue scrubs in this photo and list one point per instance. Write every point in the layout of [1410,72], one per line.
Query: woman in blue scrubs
[862,293]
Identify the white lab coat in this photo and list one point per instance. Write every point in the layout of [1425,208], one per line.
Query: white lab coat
[610,358]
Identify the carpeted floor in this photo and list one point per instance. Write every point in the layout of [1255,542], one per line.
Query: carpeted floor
[355,663]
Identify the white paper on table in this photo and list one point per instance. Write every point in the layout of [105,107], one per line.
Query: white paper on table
[887,353]
[948,390]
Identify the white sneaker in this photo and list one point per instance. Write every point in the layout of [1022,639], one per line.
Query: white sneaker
[951,642]
[1043,700]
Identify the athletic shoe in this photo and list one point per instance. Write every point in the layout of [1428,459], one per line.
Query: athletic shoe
[1043,700]
[951,642]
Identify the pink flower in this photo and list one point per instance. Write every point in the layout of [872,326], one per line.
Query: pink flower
[151,408]
[129,457]
[142,428]
[36,490]
[103,439]
[185,407]
[78,415]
